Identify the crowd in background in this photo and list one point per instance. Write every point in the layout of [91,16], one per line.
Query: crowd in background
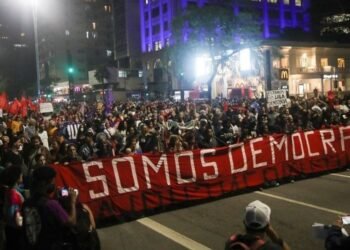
[78,132]
[82,132]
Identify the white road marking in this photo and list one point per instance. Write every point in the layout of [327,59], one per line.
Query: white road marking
[171,234]
[341,175]
[302,203]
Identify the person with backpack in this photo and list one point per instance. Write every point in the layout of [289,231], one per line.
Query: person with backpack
[259,233]
[84,234]
[45,221]
[12,206]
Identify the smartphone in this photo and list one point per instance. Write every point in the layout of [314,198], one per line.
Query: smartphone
[346,220]
[64,192]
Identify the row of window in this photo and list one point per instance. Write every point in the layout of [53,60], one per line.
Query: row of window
[134,73]
[155,12]
[287,2]
[158,45]
[304,62]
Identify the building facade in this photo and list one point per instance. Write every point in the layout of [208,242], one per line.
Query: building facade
[75,36]
[156,16]
[276,16]
[126,23]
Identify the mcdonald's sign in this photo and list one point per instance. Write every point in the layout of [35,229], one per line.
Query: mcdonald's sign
[284,74]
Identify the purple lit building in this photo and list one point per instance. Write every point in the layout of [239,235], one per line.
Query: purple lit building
[276,16]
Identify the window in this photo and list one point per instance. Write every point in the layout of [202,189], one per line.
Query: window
[286,1]
[155,12]
[140,73]
[157,45]
[272,1]
[87,34]
[155,29]
[93,25]
[166,25]
[324,62]
[147,32]
[67,32]
[122,74]
[341,63]
[146,2]
[284,63]
[167,42]
[298,2]
[146,16]
[149,47]
[303,61]
[165,8]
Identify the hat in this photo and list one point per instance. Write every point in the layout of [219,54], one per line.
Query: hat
[257,215]
[44,174]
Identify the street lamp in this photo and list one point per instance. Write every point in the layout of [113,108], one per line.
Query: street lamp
[34,10]
[35,24]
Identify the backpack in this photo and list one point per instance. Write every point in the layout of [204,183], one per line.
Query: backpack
[239,242]
[31,223]
[84,237]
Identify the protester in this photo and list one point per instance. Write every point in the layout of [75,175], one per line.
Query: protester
[259,232]
[336,240]
[54,221]
[83,235]
[12,206]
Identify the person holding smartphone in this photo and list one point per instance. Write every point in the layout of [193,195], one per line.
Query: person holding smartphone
[336,240]
[84,233]
[55,220]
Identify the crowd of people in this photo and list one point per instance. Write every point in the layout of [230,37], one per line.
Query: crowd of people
[82,132]
[78,132]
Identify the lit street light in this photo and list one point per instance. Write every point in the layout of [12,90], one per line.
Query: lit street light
[35,24]
[34,10]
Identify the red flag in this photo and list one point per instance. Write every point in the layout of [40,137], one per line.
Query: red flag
[3,101]
[31,105]
[24,107]
[14,107]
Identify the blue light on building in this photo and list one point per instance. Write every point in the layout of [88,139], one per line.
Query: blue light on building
[276,16]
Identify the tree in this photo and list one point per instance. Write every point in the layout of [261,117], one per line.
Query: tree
[101,74]
[330,21]
[213,30]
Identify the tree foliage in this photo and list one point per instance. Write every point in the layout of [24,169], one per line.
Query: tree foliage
[214,30]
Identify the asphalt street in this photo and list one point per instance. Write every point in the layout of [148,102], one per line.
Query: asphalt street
[295,207]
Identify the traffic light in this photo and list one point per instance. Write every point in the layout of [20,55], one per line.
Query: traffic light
[70,70]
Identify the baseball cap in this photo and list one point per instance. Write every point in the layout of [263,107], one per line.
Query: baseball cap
[257,215]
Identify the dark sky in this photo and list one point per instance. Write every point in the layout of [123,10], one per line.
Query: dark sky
[18,64]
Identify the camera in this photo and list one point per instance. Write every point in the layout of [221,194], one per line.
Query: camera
[64,192]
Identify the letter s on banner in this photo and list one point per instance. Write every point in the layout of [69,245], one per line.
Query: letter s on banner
[90,178]
[209,164]
[121,189]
